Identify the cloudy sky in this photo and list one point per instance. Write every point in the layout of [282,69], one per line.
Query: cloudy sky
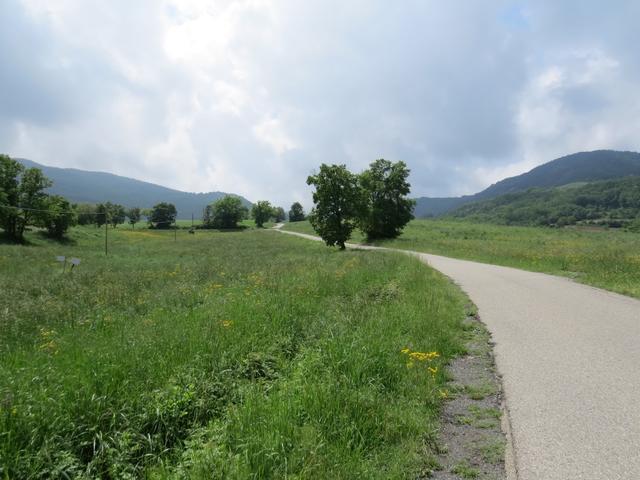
[249,96]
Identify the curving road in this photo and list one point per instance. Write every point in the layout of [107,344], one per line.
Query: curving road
[569,356]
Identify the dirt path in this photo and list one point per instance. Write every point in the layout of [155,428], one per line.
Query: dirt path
[569,356]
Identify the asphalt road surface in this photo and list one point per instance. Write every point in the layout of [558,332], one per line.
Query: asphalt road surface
[569,356]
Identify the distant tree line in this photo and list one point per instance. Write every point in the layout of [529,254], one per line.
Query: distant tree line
[228,212]
[375,201]
[162,216]
[614,203]
[23,203]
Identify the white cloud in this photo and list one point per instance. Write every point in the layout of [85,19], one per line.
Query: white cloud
[270,131]
[249,96]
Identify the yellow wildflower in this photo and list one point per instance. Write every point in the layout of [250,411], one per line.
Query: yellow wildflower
[423,356]
[433,370]
[227,323]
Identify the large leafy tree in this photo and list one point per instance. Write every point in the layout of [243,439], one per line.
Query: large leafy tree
[296,214]
[118,214]
[163,215]
[261,212]
[386,206]
[224,213]
[58,217]
[22,196]
[134,215]
[102,214]
[86,213]
[278,214]
[9,193]
[337,201]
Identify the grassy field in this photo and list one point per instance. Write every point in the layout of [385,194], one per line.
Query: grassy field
[220,355]
[608,259]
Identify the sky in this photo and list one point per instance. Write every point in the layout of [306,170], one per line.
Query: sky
[251,96]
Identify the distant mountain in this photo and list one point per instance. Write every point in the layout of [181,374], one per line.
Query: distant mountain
[578,167]
[608,202]
[81,186]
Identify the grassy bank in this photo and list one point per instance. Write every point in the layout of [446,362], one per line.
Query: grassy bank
[219,355]
[608,259]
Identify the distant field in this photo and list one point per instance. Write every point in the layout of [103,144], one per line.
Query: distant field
[196,223]
[608,259]
[219,355]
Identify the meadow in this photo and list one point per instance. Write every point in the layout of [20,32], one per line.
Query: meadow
[183,223]
[605,258]
[220,355]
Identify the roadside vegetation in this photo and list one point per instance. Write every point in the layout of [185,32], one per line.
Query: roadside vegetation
[606,258]
[219,355]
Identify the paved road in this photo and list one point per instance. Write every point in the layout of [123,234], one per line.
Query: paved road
[569,356]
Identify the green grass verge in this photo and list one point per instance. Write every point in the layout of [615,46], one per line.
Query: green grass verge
[219,355]
[608,259]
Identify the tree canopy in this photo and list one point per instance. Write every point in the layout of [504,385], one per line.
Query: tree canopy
[134,214]
[375,201]
[296,213]
[337,200]
[386,208]
[58,217]
[22,196]
[163,215]
[278,214]
[86,213]
[261,212]
[224,213]
[118,214]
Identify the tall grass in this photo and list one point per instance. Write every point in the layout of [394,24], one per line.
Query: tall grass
[608,259]
[221,355]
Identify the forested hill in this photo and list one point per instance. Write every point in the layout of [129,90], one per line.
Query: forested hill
[81,186]
[609,202]
[578,167]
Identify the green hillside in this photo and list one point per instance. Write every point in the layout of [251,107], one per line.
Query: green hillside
[81,186]
[613,202]
[578,167]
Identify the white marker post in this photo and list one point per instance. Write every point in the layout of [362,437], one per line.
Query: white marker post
[62,259]
[74,262]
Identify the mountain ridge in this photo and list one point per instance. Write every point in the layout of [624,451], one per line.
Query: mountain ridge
[85,186]
[577,167]
[613,202]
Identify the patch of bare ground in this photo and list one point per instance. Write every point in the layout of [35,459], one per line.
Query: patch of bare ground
[472,443]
